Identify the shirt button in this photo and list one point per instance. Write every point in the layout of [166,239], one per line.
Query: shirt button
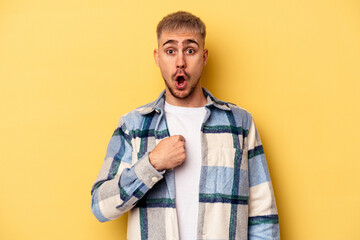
[154,179]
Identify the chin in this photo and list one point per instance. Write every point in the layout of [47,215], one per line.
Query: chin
[182,94]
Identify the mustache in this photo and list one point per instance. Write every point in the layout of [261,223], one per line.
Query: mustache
[180,72]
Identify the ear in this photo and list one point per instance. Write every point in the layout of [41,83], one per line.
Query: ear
[205,56]
[156,56]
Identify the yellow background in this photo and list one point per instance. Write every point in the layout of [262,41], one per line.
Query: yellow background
[69,69]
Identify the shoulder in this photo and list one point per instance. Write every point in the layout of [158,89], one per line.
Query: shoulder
[242,117]
[240,111]
[240,114]
[135,118]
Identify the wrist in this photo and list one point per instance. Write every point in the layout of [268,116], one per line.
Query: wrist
[154,163]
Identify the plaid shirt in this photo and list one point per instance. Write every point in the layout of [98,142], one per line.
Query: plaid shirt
[236,199]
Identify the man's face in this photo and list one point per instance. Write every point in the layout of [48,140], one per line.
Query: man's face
[181,57]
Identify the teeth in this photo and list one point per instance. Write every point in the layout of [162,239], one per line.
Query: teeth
[180,81]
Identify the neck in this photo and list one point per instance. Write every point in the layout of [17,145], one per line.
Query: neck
[196,99]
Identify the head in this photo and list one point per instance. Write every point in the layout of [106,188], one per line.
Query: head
[181,21]
[181,55]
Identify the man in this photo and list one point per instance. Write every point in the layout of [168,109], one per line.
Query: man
[186,166]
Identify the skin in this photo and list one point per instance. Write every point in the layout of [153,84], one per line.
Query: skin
[169,153]
[182,53]
[179,53]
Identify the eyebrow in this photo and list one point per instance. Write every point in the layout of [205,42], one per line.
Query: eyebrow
[187,41]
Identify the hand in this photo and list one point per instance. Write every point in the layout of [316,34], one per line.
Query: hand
[169,153]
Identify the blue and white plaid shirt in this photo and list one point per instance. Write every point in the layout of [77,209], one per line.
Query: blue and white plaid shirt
[236,199]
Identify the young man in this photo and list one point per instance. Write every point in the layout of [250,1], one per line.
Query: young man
[186,166]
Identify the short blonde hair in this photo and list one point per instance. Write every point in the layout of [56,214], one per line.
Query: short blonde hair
[181,20]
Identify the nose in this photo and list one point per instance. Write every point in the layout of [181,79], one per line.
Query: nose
[180,61]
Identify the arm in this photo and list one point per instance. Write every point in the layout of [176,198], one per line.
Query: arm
[263,217]
[121,181]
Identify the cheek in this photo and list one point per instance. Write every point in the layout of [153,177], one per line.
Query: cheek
[165,69]
[166,62]
[198,66]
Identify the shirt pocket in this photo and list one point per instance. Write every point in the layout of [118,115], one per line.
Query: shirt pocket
[222,157]
[227,172]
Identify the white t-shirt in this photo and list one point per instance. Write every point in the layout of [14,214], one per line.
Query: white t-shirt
[187,122]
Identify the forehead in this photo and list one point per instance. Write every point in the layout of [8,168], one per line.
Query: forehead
[182,36]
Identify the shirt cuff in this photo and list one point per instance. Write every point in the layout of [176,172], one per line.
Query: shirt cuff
[146,172]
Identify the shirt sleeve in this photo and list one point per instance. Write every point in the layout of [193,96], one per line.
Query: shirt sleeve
[263,222]
[123,179]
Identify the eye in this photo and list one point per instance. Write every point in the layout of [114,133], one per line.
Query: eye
[170,51]
[190,51]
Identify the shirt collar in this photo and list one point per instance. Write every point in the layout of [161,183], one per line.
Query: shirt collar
[158,104]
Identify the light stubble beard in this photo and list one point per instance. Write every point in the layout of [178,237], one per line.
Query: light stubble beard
[173,93]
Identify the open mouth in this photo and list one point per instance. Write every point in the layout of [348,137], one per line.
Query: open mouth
[180,81]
